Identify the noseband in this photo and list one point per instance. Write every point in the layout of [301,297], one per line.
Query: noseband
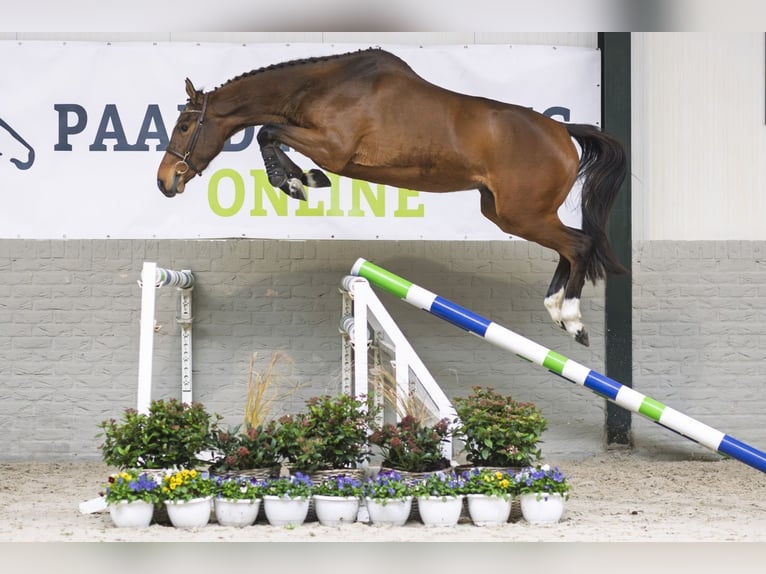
[186,164]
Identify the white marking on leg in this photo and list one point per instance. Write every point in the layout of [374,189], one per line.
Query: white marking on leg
[296,188]
[553,304]
[570,316]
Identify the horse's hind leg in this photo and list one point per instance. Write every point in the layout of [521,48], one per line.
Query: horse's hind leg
[562,299]
[554,298]
[577,251]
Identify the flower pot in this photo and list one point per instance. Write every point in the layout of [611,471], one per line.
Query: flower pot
[390,512]
[547,510]
[440,510]
[131,514]
[285,511]
[486,510]
[336,510]
[237,513]
[193,513]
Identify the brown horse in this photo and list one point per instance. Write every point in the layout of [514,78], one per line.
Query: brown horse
[368,116]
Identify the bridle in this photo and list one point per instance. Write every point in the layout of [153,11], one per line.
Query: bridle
[186,164]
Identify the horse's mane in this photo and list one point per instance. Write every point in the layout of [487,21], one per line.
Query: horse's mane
[298,62]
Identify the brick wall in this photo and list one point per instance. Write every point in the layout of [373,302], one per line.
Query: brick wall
[69,320]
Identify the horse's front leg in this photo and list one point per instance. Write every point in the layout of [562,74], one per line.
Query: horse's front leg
[281,170]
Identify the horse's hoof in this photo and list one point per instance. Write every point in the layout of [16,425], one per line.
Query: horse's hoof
[582,337]
[315,178]
[294,188]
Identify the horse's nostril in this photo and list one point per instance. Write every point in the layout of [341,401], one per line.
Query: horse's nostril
[166,192]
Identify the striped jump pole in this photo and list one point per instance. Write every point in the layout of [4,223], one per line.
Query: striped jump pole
[602,385]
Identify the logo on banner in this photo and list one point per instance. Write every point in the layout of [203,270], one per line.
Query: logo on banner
[15,148]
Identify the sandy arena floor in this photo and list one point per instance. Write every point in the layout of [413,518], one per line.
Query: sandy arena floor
[616,497]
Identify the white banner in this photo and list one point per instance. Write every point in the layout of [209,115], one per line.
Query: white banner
[83,128]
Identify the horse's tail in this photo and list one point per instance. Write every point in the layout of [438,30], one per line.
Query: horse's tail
[603,167]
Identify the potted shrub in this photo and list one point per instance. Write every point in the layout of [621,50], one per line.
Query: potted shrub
[498,431]
[330,436]
[440,498]
[389,498]
[490,494]
[411,446]
[237,500]
[336,499]
[286,499]
[186,494]
[130,496]
[253,453]
[542,490]
[296,445]
[171,435]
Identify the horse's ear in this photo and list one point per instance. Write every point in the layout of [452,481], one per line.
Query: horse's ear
[190,91]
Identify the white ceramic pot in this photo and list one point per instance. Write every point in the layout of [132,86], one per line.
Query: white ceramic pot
[488,510]
[133,514]
[285,511]
[336,510]
[237,513]
[547,510]
[440,510]
[193,513]
[389,512]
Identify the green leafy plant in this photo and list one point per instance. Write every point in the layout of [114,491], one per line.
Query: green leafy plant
[439,483]
[185,485]
[489,482]
[541,480]
[331,434]
[236,488]
[297,485]
[388,485]
[297,445]
[130,485]
[340,485]
[256,447]
[169,436]
[412,446]
[497,430]
[342,422]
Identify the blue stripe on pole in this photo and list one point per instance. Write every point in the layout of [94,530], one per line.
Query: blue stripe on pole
[603,385]
[742,452]
[459,316]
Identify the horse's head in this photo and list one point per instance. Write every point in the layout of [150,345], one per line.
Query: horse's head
[189,150]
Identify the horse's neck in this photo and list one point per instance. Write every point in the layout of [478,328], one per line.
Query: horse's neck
[264,97]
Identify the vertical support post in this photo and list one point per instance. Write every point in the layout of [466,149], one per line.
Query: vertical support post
[616,119]
[185,320]
[347,358]
[146,337]
[359,339]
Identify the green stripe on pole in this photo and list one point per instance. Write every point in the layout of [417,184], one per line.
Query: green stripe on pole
[385,280]
[651,409]
[555,362]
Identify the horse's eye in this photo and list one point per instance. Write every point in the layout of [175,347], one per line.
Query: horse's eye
[184,128]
